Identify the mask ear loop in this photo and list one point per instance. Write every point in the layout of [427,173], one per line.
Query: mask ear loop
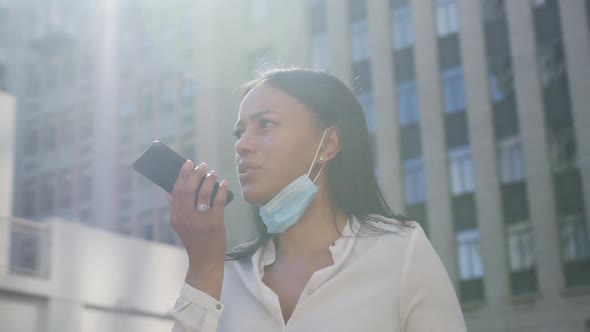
[316,155]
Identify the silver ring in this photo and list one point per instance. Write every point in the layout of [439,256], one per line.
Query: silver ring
[203,207]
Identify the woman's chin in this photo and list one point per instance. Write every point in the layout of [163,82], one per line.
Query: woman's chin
[254,197]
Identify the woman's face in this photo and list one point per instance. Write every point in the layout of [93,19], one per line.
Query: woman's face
[277,140]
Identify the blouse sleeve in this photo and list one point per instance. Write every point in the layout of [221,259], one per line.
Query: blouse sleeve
[428,298]
[196,311]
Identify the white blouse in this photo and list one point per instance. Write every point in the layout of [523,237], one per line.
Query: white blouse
[389,282]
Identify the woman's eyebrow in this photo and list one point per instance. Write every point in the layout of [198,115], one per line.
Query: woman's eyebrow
[257,115]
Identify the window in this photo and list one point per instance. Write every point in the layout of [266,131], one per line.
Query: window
[366,101]
[446,17]
[515,205]
[361,73]
[259,10]
[360,40]
[32,83]
[49,142]
[3,75]
[492,9]
[67,128]
[126,110]
[46,198]
[464,211]
[30,143]
[563,150]
[317,14]
[145,225]
[461,169]
[189,88]
[511,161]
[552,65]
[29,201]
[415,184]
[124,225]
[401,25]
[51,77]
[320,51]
[407,95]
[468,253]
[357,10]
[85,187]
[568,193]
[538,3]
[453,90]
[167,97]
[573,232]
[86,124]
[520,246]
[146,104]
[85,216]
[496,91]
[65,190]
[124,179]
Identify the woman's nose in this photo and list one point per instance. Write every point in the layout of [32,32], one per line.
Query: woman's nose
[243,145]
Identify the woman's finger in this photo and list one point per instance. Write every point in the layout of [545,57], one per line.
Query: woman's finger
[204,196]
[220,197]
[183,175]
[190,186]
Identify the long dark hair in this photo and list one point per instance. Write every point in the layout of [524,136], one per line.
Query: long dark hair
[351,177]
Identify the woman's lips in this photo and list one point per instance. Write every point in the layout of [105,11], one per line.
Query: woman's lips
[246,170]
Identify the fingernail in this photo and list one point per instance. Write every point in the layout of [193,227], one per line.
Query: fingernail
[187,165]
[223,183]
[213,172]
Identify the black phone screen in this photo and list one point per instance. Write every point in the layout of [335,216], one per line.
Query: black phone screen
[161,165]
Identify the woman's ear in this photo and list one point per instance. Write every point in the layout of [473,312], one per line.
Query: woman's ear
[331,145]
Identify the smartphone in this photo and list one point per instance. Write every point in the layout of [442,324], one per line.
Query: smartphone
[161,165]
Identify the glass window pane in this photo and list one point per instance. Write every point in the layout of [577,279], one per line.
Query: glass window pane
[468,252]
[366,101]
[360,41]
[453,89]
[407,103]
[575,244]
[461,169]
[414,181]
[320,52]
[402,27]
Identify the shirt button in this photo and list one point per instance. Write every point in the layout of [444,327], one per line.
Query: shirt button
[218,307]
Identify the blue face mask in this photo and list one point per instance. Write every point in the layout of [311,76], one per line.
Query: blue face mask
[285,209]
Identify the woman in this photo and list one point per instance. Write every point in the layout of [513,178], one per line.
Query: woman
[330,256]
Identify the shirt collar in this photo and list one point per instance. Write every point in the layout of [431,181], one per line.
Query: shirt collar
[266,255]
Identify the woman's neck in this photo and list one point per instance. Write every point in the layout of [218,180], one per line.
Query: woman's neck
[318,228]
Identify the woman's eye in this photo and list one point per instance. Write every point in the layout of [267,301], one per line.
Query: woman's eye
[266,123]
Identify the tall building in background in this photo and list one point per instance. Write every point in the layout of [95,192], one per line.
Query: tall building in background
[478,111]
[99,82]
[7,126]
[7,130]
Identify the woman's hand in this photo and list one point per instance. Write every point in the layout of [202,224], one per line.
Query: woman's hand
[201,230]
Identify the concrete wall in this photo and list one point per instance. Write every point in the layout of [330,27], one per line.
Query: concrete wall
[98,281]
[7,125]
